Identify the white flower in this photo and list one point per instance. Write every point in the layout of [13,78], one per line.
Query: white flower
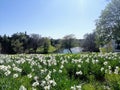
[1,61]
[47,77]
[97,61]
[116,71]
[117,67]
[35,84]
[79,73]
[107,88]
[42,71]
[34,88]
[52,82]
[106,71]
[102,69]
[60,71]
[87,60]
[22,88]
[78,87]
[29,75]
[54,70]
[9,66]
[39,66]
[13,65]
[79,65]
[43,83]
[110,72]
[7,72]
[17,69]
[93,61]
[47,87]
[15,75]
[73,88]
[105,63]
[36,78]
[4,68]
[33,70]
[61,66]
[109,67]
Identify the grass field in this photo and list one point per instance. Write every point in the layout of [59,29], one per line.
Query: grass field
[90,71]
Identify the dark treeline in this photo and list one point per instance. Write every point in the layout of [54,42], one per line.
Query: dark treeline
[34,43]
[24,43]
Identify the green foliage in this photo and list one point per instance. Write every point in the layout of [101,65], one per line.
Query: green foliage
[108,48]
[46,45]
[103,50]
[88,87]
[17,46]
[25,68]
[40,50]
[51,49]
[113,81]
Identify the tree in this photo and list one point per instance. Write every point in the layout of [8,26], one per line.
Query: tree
[17,46]
[56,44]
[69,41]
[0,44]
[35,41]
[19,42]
[0,47]
[24,38]
[108,24]
[6,44]
[89,43]
[46,45]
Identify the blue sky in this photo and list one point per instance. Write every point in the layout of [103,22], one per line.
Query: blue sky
[54,18]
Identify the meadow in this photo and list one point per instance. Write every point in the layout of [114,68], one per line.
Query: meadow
[85,71]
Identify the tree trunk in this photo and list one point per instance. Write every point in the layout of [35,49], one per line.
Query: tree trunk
[70,50]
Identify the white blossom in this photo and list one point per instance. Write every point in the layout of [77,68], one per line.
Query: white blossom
[102,69]
[79,73]
[47,87]
[22,88]
[35,84]
[60,71]
[15,75]
[29,75]
[105,63]
[8,72]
